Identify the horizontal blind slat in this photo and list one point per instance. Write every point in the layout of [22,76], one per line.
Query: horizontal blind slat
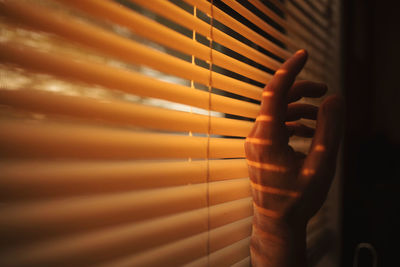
[305,35]
[123,80]
[33,179]
[320,7]
[252,35]
[321,21]
[312,65]
[194,247]
[298,17]
[300,23]
[168,254]
[261,24]
[134,238]
[228,256]
[62,140]
[159,33]
[241,28]
[270,13]
[121,113]
[130,51]
[183,18]
[80,212]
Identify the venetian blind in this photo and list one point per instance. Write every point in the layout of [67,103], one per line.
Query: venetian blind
[123,124]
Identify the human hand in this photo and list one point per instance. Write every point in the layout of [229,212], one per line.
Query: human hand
[289,187]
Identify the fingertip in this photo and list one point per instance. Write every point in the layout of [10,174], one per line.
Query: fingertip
[324,88]
[293,65]
[302,53]
[333,105]
[304,88]
[297,61]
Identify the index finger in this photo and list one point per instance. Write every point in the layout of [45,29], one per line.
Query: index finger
[274,102]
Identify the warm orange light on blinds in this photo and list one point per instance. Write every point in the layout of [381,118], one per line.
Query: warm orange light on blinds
[116,78]
[39,179]
[121,113]
[179,16]
[59,140]
[152,30]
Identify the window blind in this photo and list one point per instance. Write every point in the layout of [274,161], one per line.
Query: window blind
[123,125]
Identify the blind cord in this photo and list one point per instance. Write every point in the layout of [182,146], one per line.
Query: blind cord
[193,63]
[209,130]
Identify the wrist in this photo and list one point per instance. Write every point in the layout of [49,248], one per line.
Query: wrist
[278,243]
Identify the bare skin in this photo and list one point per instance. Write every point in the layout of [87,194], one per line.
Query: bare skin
[289,187]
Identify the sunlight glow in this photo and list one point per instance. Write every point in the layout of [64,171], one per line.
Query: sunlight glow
[280,72]
[267,94]
[266,166]
[264,118]
[308,172]
[266,212]
[273,190]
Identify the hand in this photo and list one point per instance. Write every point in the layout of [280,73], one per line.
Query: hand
[289,187]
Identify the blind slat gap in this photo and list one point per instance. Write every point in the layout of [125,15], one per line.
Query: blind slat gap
[312,66]
[181,17]
[304,35]
[159,33]
[133,52]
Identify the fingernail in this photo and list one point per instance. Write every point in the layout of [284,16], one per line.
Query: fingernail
[301,51]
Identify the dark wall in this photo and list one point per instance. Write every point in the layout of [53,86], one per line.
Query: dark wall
[371,186]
